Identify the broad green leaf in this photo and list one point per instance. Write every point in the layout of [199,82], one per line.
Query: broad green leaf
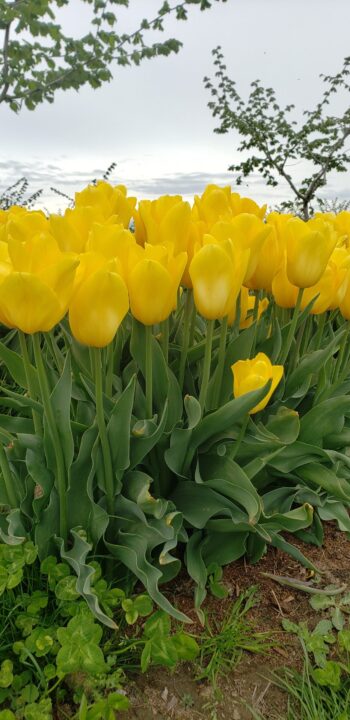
[323,477]
[118,428]
[227,477]
[15,366]
[324,419]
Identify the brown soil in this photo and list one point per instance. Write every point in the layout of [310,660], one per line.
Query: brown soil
[162,695]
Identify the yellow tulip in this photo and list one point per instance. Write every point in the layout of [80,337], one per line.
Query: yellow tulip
[341,260]
[325,290]
[217,271]
[98,307]
[246,205]
[109,200]
[153,280]
[37,302]
[269,261]
[213,205]
[249,375]
[247,232]
[23,225]
[284,293]
[165,221]
[247,306]
[72,229]
[309,246]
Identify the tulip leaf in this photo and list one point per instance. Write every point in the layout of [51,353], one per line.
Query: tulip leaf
[118,428]
[335,510]
[83,511]
[41,476]
[308,365]
[48,526]
[238,348]
[196,566]
[222,419]
[60,400]
[325,418]
[223,553]
[325,478]
[226,477]
[290,521]
[282,544]
[199,503]
[159,366]
[76,558]
[15,366]
[132,545]
[145,434]
[16,424]
[285,425]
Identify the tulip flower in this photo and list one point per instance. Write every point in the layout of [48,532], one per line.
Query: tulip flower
[326,290]
[269,261]
[309,246]
[37,287]
[214,204]
[98,307]
[111,241]
[246,205]
[249,375]
[284,293]
[247,232]
[165,221]
[72,229]
[247,306]
[109,200]
[24,225]
[153,280]
[217,271]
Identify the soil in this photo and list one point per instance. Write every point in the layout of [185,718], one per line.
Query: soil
[163,695]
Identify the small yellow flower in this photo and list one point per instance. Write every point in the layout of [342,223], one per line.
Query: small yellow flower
[249,375]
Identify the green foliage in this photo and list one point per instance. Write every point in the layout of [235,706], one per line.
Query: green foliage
[274,139]
[38,57]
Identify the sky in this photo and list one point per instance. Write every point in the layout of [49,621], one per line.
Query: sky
[153,121]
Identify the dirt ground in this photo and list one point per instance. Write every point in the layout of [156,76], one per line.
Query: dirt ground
[162,695]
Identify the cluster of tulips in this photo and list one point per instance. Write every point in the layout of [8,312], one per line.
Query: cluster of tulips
[222,252]
[179,378]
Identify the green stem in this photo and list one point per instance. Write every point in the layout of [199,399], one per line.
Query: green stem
[102,431]
[27,369]
[149,372]
[291,333]
[8,479]
[240,436]
[255,321]
[206,364]
[165,338]
[186,336]
[109,373]
[320,329]
[341,353]
[221,362]
[193,323]
[52,427]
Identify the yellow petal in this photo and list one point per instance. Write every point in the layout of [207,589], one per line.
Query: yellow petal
[98,308]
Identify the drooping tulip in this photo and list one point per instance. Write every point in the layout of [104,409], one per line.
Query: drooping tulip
[309,246]
[249,375]
[153,280]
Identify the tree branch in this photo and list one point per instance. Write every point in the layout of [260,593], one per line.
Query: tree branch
[5,69]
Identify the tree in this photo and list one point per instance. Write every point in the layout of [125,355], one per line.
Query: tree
[272,137]
[38,58]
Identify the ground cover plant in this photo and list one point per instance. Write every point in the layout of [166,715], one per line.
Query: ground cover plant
[173,396]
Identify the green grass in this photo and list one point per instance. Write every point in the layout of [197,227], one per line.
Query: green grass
[223,641]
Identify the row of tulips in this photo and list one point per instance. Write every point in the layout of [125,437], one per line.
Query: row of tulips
[147,337]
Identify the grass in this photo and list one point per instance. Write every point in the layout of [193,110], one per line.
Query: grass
[223,641]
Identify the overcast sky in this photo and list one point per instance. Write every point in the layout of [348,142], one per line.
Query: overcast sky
[154,121]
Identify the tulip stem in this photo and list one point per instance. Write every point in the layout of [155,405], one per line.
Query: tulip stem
[55,439]
[165,338]
[8,479]
[102,431]
[206,364]
[109,369]
[292,327]
[240,436]
[149,372]
[221,363]
[186,337]
[28,370]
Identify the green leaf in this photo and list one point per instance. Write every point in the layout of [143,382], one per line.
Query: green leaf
[80,651]
[60,400]
[324,419]
[15,366]
[118,428]
[329,675]
[321,476]
[227,477]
